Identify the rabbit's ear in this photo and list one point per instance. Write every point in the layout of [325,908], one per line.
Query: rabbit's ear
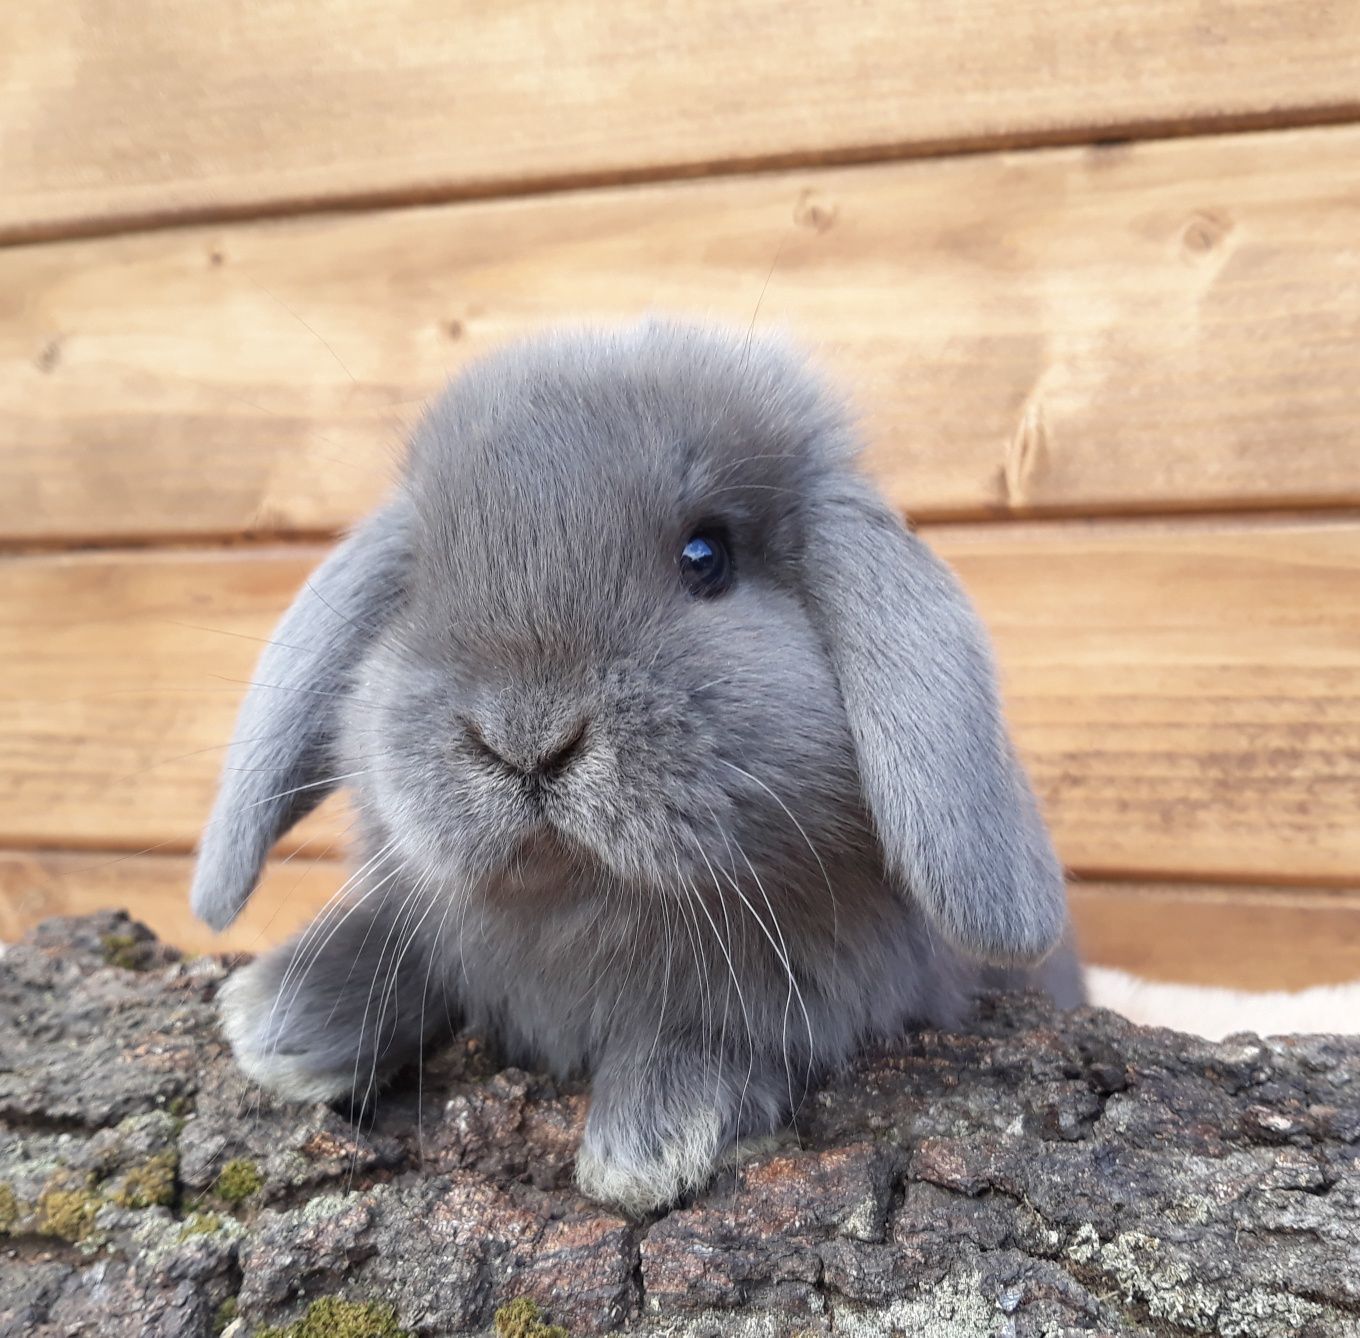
[281,761]
[958,824]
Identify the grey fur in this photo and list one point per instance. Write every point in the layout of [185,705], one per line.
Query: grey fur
[952,808]
[278,766]
[701,849]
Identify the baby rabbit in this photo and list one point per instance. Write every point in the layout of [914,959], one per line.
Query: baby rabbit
[677,760]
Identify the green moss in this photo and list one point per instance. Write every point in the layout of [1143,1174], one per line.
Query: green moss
[330,1317]
[149,1184]
[200,1224]
[124,950]
[67,1211]
[224,1314]
[9,1209]
[238,1180]
[178,1106]
[523,1319]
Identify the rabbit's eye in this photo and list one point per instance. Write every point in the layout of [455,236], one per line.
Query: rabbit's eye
[705,564]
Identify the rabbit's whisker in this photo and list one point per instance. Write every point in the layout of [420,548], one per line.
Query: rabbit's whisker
[295,687]
[752,487]
[261,770]
[781,951]
[359,1104]
[239,636]
[631,954]
[730,467]
[391,986]
[774,264]
[339,909]
[714,682]
[691,925]
[826,878]
[603,930]
[436,944]
[795,990]
[181,757]
[665,980]
[312,936]
[703,962]
[324,783]
[732,970]
[750,1035]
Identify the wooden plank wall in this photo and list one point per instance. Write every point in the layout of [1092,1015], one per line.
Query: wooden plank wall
[1092,271]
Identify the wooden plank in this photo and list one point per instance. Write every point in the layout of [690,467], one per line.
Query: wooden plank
[36,885]
[115,115]
[1245,938]
[123,675]
[1185,694]
[1068,331]
[1238,937]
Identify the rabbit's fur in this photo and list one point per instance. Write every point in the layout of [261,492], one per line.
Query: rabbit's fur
[701,848]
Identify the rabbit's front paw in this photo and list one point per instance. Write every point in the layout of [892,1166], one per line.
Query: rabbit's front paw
[339,1009]
[256,1020]
[640,1171]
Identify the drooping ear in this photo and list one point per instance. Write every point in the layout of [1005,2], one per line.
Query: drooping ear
[281,762]
[954,813]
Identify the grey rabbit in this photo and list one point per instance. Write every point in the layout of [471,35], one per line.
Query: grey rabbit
[677,758]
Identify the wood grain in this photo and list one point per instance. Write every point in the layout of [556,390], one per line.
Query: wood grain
[1166,326]
[1243,937]
[35,885]
[122,675]
[114,115]
[1185,694]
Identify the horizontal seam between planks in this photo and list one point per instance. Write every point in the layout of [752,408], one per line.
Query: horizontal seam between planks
[1201,518]
[346,202]
[1081,876]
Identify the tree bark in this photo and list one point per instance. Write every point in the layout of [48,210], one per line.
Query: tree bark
[1042,1174]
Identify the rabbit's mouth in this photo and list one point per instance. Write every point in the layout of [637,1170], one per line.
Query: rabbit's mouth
[542,864]
[545,849]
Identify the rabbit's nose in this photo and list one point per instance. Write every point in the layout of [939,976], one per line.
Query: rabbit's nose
[535,758]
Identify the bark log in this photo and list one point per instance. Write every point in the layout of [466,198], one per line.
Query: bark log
[1042,1174]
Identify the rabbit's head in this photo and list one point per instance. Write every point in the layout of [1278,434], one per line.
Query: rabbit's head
[634,610]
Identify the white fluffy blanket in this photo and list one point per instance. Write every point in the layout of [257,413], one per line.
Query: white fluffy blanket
[1216,1013]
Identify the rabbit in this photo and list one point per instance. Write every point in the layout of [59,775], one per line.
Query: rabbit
[677,757]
